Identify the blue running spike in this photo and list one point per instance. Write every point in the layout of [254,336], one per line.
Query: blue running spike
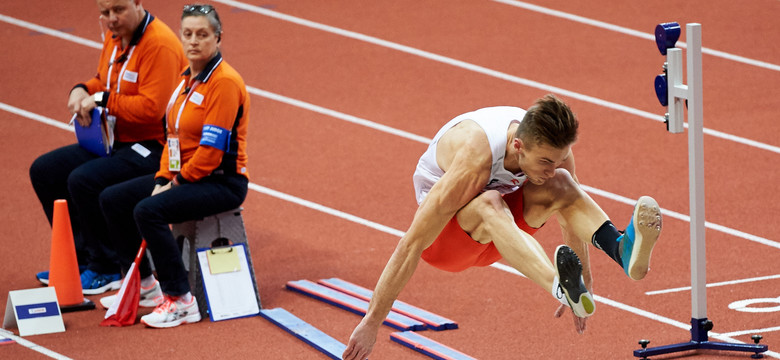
[640,237]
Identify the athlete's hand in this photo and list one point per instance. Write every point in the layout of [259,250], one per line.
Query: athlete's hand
[361,342]
[579,323]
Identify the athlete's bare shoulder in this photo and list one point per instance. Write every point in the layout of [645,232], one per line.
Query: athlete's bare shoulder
[465,138]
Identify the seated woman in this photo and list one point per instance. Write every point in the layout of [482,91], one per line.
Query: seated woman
[203,171]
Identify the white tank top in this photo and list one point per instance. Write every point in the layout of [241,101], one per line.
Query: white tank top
[494,121]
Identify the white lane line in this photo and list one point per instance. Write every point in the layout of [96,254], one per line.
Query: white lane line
[753,331]
[36,117]
[51,32]
[32,346]
[632,32]
[723,283]
[421,139]
[337,115]
[325,209]
[350,118]
[424,140]
[431,56]
[675,323]
[483,70]
[399,233]
[685,218]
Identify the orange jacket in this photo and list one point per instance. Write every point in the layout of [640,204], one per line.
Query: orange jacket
[212,125]
[149,68]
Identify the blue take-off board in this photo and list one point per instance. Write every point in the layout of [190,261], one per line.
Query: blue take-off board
[433,321]
[304,331]
[427,346]
[352,304]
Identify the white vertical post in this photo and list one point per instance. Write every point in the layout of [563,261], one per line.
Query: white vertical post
[677,91]
[696,172]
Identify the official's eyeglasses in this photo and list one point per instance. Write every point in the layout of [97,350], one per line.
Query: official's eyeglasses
[203,9]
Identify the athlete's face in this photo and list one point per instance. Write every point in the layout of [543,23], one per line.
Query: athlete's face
[199,39]
[539,161]
[120,16]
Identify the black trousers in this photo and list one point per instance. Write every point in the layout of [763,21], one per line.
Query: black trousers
[132,214]
[79,176]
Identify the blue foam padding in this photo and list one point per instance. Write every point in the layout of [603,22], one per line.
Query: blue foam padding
[304,331]
[435,322]
[351,303]
[427,346]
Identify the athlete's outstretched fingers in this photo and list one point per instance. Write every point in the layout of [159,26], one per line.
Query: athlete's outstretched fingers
[579,323]
[361,342]
[353,354]
[356,350]
[349,352]
[561,309]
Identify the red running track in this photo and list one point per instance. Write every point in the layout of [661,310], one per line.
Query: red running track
[428,62]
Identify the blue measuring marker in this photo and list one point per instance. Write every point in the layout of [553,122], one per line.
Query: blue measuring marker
[352,304]
[427,346]
[433,321]
[304,331]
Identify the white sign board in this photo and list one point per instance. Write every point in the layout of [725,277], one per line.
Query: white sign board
[33,311]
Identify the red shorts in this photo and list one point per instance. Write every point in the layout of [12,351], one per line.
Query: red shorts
[454,250]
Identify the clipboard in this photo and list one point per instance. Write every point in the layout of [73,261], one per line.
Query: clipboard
[228,282]
[98,136]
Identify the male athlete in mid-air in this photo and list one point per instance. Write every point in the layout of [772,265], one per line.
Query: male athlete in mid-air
[488,181]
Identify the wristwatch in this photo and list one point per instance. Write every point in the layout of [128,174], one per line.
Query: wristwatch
[100,98]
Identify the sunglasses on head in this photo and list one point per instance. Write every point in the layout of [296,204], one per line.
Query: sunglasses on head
[203,9]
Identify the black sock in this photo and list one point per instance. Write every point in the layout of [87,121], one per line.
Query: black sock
[606,239]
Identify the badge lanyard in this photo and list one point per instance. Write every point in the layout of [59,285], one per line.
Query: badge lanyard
[174,150]
[112,118]
[126,60]
[121,72]
[124,69]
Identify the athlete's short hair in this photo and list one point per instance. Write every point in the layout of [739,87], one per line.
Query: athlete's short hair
[549,121]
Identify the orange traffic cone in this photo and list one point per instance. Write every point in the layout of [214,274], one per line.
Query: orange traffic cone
[63,266]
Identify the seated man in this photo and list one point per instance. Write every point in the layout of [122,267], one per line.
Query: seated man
[136,73]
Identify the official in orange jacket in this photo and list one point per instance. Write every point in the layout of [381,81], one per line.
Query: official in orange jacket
[136,73]
[203,171]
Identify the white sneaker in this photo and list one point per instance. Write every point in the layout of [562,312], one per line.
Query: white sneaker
[150,297]
[172,313]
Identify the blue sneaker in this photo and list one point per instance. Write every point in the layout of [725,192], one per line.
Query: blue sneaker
[93,283]
[43,276]
[640,237]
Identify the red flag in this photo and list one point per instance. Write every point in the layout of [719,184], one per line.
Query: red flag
[125,308]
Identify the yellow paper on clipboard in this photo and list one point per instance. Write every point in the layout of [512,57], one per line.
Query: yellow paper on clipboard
[224,260]
[231,294]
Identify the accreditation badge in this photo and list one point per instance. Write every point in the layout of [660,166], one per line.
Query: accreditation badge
[174,153]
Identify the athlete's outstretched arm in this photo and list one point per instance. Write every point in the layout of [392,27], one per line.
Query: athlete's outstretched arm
[463,180]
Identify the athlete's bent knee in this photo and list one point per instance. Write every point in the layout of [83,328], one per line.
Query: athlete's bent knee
[482,213]
[562,182]
[489,203]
